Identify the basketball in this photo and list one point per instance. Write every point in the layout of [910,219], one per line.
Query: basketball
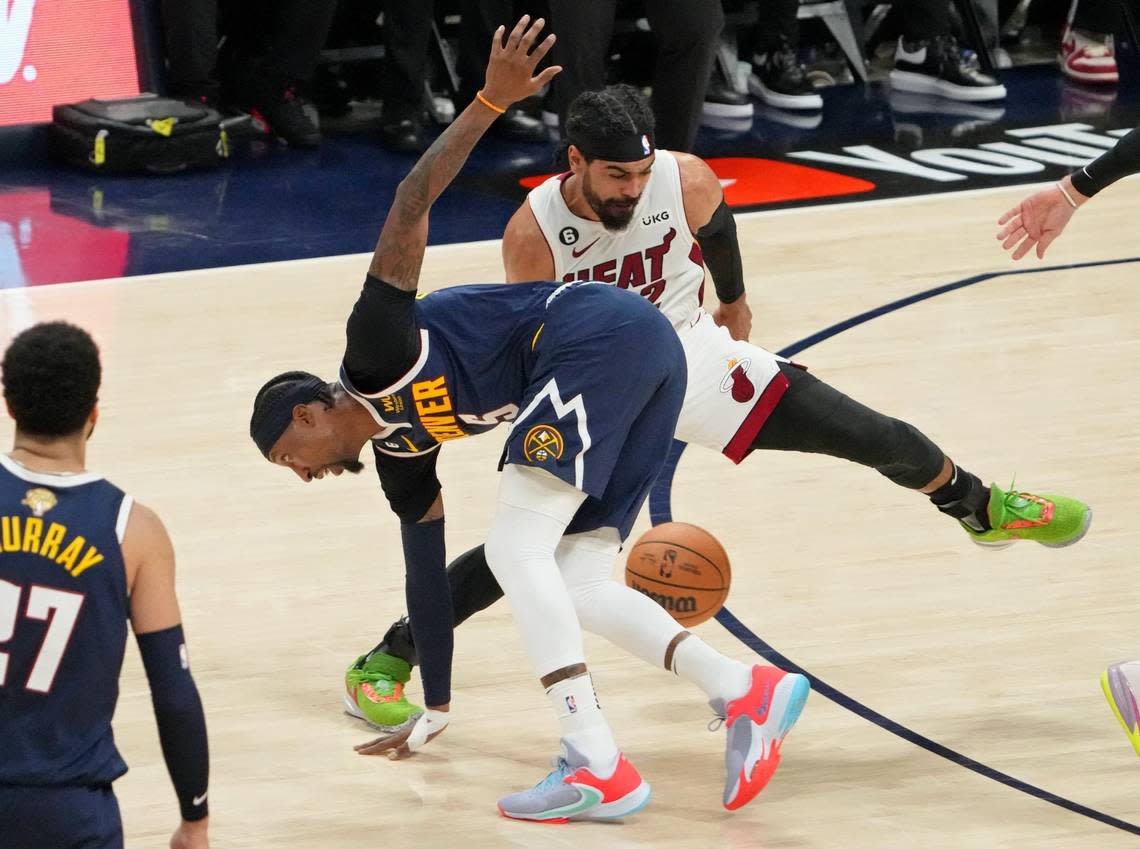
[681,567]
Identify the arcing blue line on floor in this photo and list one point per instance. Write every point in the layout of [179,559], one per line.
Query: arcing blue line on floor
[660,510]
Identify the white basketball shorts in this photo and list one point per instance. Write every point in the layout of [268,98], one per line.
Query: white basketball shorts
[733,388]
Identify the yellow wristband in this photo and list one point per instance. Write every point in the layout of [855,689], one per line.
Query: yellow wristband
[479,96]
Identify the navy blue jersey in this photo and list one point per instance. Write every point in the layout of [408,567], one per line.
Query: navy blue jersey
[477,344]
[63,626]
[591,378]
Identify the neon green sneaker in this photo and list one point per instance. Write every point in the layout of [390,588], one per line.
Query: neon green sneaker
[1052,520]
[374,691]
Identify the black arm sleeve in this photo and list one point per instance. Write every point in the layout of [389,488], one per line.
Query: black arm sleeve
[411,487]
[722,254]
[383,340]
[1122,160]
[410,483]
[181,723]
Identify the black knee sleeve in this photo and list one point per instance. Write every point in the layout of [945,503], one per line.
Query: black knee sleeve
[473,588]
[910,458]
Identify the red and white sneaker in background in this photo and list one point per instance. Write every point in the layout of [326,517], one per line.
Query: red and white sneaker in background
[1088,58]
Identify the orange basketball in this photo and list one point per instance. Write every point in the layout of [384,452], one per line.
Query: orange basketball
[681,567]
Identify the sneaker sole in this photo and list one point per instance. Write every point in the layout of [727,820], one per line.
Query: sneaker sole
[1082,77]
[923,84]
[1110,682]
[788,702]
[727,110]
[626,806]
[806,102]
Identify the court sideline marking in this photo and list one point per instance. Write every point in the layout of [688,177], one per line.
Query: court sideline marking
[660,510]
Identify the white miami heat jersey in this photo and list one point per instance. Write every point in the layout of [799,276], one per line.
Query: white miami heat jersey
[655,255]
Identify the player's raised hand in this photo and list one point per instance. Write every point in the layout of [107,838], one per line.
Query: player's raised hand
[510,71]
[1037,220]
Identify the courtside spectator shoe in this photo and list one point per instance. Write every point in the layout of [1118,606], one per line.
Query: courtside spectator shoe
[374,691]
[779,79]
[1120,683]
[756,724]
[1052,520]
[938,66]
[1088,58]
[572,792]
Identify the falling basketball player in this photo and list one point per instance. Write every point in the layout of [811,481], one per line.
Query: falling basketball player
[1037,221]
[78,559]
[588,437]
[648,220]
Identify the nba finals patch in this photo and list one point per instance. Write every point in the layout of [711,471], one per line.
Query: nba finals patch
[39,500]
[542,443]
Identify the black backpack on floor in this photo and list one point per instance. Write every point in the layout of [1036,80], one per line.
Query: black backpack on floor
[147,134]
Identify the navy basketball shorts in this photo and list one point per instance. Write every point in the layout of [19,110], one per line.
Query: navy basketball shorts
[60,818]
[605,389]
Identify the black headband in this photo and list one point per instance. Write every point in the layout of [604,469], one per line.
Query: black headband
[280,413]
[628,147]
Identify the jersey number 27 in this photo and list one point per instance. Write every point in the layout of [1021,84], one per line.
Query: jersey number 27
[42,601]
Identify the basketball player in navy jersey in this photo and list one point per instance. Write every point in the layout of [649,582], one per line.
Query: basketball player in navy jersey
[592,420]
[1035,222]
[650,220]
[78,558]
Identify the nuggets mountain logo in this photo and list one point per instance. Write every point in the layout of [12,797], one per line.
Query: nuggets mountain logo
[542,443]
[39,500]
[15,23]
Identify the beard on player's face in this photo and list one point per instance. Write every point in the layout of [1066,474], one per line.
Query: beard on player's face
[615,213]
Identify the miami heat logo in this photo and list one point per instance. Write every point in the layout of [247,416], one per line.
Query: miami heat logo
[39,500]
[542,443]
[737,381]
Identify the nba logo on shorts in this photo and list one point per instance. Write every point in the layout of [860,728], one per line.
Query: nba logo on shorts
[571,704]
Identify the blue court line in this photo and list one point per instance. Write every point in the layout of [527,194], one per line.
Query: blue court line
[660,510]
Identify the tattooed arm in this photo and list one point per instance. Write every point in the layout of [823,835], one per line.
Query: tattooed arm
[510,77]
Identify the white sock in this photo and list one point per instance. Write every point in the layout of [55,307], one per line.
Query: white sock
[582,723]
[719,676]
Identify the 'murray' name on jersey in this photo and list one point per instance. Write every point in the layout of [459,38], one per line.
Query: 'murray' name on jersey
[50,540]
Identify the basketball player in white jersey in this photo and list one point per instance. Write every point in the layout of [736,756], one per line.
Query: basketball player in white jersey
[650,220]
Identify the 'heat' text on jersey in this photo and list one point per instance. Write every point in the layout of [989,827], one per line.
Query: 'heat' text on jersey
[632,273]
[435,411]
[28,535]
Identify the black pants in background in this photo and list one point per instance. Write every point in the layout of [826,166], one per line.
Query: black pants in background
[275,42]
[685,33]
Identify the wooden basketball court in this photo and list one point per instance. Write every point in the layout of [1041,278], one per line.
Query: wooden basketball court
[994,655]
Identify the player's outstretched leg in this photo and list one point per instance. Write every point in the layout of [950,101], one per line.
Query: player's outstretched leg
[1120,683]
[757,723]
[814,417]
